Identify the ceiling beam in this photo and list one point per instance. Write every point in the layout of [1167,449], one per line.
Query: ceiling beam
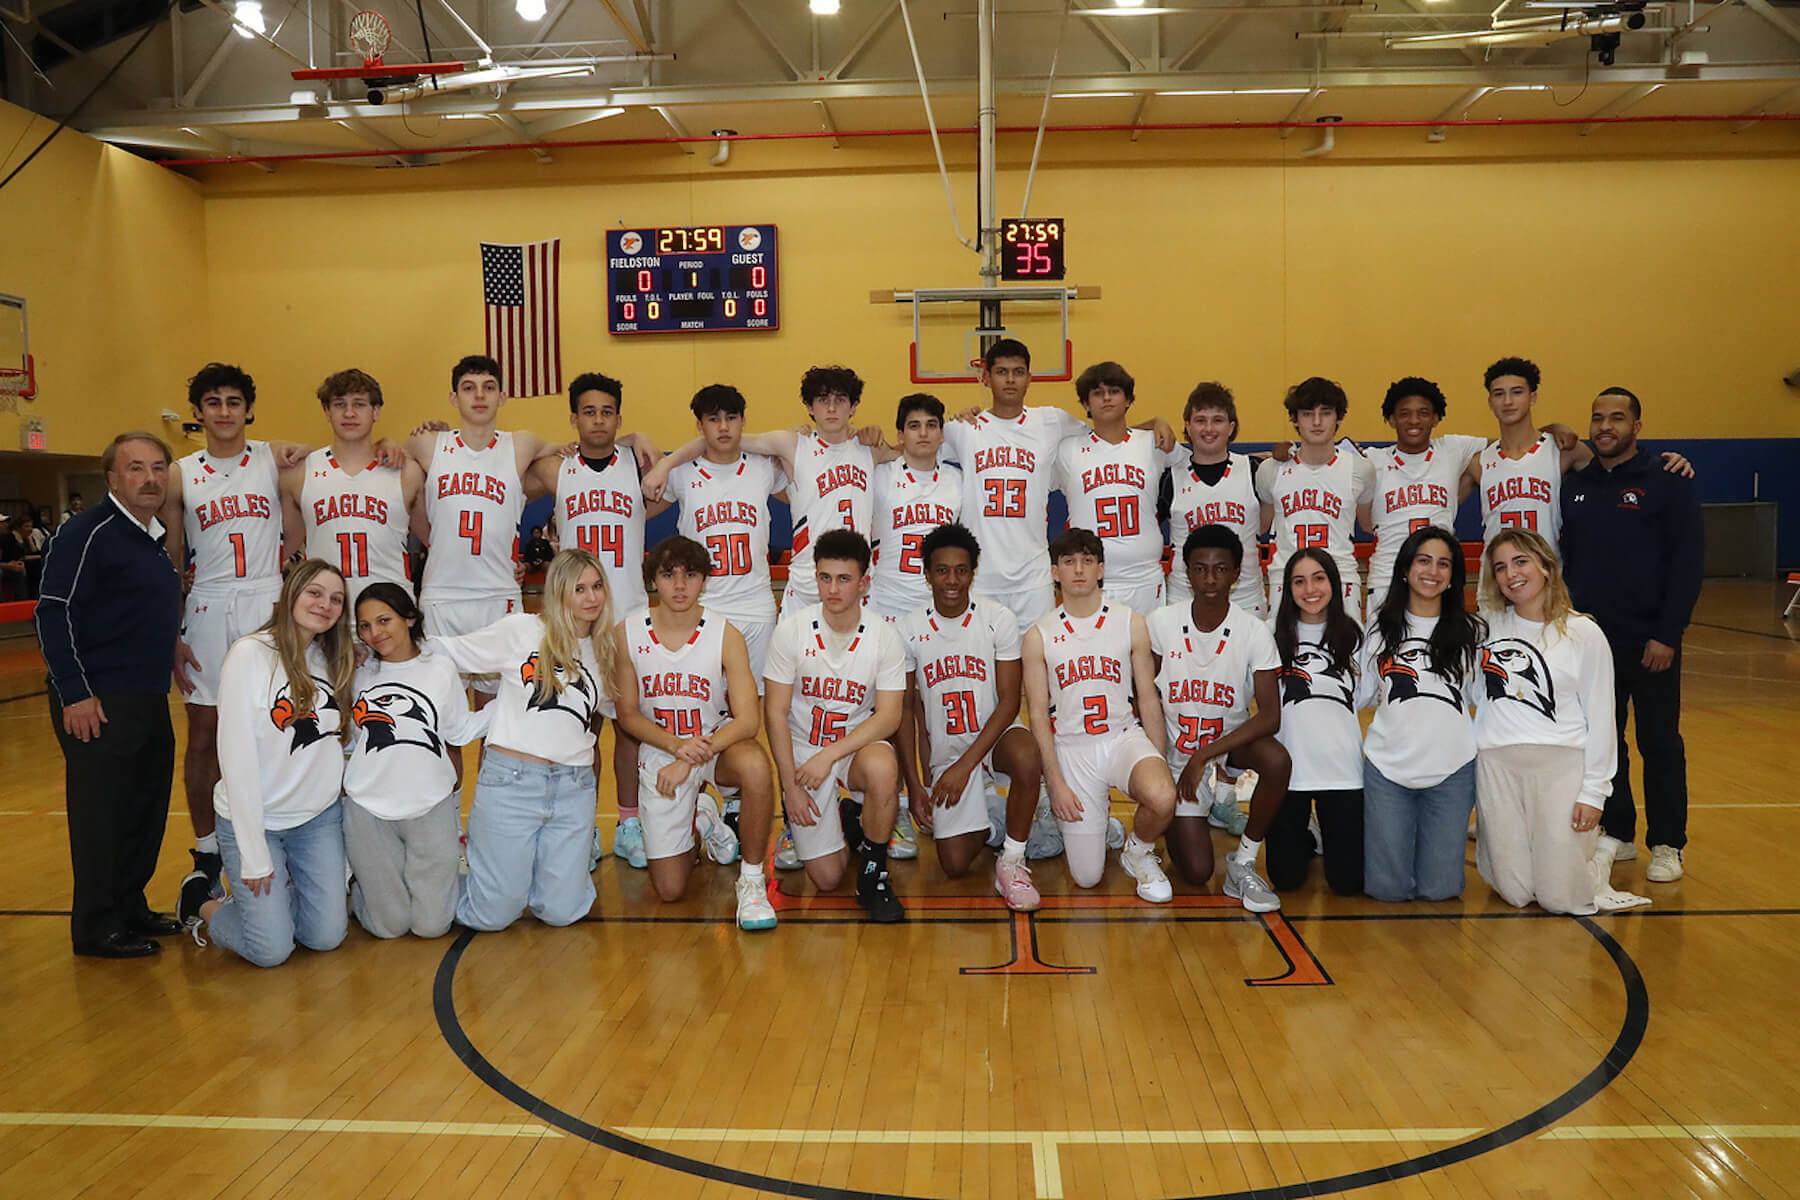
[862,42]
[768,39]
[636,37]
[1209,37]
[1775,17]
[379,140]
[213,62]
[1618,104]
[1100,30]
[1774,103]
[828,124]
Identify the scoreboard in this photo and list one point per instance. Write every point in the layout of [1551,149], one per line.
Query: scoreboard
[691,279]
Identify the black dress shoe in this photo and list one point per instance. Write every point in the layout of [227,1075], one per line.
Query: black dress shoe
[154,925]
[118,945]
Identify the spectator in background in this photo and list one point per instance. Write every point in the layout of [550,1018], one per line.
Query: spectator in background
[13,582]
[538,551]
[1633,548]
[75,506]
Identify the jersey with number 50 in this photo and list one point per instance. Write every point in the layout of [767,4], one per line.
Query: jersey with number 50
[1111,490]
[231,516]
[473,499]
[602,512]
[908,505]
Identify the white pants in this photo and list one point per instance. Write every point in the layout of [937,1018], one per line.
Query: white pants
[757,636]
[1526,847]
[1092,767]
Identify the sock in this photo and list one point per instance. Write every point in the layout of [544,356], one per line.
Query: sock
[208,844]
[864,847]
[1247,849]
[1136,845]
[750,870]
[1013,851]
[627,814]
[875,859]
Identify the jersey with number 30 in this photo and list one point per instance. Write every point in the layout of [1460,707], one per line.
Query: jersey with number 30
[1088,662]
[231,516]
[908,505]
[725,507]
[602,512]
[473,499]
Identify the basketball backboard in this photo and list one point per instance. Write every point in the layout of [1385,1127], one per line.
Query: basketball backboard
[16,375]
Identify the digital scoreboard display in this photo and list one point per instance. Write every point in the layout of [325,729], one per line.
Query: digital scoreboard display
[1031,250]
[691,279]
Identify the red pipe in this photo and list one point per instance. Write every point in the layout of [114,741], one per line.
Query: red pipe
[811,134]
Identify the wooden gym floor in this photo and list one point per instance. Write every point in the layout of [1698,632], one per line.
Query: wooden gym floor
[1101,1048]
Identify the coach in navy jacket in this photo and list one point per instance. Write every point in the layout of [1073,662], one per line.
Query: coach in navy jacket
[1632,549]
[107,621]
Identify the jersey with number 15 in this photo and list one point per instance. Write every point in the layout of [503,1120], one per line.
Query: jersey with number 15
[473,499]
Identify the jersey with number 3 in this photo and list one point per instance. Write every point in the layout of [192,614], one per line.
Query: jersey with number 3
[1523,492]
[835,676]
[1207,677]
[953,662]
[231,516]
[681,688]
[1111,490]
[725,507]
[830,491]
[357,521]
[473,499]
[1315,506]
[1009,467]
[1088,662]
[908,505]
[602,512]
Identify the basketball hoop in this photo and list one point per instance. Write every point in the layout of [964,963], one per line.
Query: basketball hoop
[369,32]
[19,381]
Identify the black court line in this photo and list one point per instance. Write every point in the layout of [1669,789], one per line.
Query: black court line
[1545,916]
[1624,1047]
[24,696]
[1780,637]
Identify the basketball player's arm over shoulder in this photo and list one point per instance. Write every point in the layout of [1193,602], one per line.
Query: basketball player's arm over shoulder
[1143,683]
[1063,801]
[487,651]
[293,517]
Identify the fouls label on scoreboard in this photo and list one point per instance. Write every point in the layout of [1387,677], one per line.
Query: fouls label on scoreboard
[692,279]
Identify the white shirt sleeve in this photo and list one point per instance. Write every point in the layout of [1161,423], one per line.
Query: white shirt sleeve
[1368,677]
[486,651]
[1362,472]
[783,660]
[1066,425]
[1601,754]
[1265,479]
[458,724]
[244,690]
[1008,641]
[890,667]
[1263,655]
[956,439]
[1158,637]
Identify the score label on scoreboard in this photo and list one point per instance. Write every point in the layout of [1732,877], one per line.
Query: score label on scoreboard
[691,279]
[1031,250]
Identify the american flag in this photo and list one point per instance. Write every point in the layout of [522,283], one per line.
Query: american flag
[520,287]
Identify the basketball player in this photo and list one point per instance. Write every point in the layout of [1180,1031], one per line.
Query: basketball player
[1110,479]
[687,697]
[1315,493]
[1085,665]
[348,508]
[1212,657]
[964,685]
[1207,484]
[836,681]
[224,505]
[1419,480]
[600,507]
[913,495]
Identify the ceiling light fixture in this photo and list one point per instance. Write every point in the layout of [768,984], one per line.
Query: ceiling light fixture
[248,16]
[1241,92]
[1089,95]
[823,8]
[530,10]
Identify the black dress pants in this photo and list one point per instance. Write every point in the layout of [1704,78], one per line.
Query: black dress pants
[1655,698]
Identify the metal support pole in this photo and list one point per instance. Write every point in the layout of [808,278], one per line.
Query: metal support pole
[989,236]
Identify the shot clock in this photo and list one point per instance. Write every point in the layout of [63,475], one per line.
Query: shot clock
[1031,250]
[691,279]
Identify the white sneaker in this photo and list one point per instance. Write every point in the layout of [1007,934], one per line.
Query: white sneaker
[596,852]
[905,842]
[786,857]
[1665,865]
[1115,834]
[1625,852]
[721,844]
[1243,883]
[754,911]
[1146,868]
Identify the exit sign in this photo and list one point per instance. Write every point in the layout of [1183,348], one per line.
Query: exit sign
[32,435]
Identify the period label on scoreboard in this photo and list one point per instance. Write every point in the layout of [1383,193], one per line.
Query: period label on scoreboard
[691,279]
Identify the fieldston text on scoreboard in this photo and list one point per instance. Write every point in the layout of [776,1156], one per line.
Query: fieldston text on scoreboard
[691,279]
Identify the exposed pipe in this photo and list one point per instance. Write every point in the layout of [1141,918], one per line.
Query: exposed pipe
[1158,127]
[1327,138]
[723,154]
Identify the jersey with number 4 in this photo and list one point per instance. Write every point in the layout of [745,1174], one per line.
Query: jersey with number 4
[1111,490]
[908,505]
[953,661]
[725,507]
[835,676]
[681,688]
[1523,492]
[473,499]
[356,521]
[602,512]
[231,516]
[1008,466]
[1088,662]
[1207,678]
[1315,506]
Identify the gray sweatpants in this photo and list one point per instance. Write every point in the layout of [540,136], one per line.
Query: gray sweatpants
[1525,846]
[405,871]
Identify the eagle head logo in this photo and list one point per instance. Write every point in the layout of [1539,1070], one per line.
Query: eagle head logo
[1311,676]
[1410,676]
[304,728]
[392,714]
[1515,670]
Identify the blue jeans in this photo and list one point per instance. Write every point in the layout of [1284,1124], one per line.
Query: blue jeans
[1415,839]
[307,901]
[530,827]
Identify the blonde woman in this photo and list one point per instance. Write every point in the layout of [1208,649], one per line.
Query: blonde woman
[1545,741]
[281,760]
[532,819]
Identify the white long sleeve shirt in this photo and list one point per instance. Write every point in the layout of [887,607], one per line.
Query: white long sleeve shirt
[1318,717]
[278,769]
[409,716]
[1421,734]
[1542,688]
[561,728]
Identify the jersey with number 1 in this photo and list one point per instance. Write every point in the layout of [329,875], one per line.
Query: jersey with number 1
[1009,465]
[681,688]
[473,499]
[231,516]
[1315,506]
[1523,492]
[602,512]
[1111,490]
[725,507]
[1088,663]
[908,505]
[953,661]
[356,521]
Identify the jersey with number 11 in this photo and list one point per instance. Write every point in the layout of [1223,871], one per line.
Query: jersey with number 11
[231,516]
[356,522]
[473,499]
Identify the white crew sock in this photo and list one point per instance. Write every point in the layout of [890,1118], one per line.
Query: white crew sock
[1136,845]
[1013,851]
[1247,850]
[750,870]
[208,844]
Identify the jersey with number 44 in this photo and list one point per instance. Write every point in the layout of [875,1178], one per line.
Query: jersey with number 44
[473,499]
[602,512]
[231,516]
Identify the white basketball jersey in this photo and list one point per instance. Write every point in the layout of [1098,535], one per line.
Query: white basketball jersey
[725,507]
[231,516]
[908,505]
[473,499]
[1524,492]
[1008,467]
[357,522]
[953,660]
[681,688]
[1089,665]
[830,491]
[1413,491]
[1207,680]
[1111,490]
[1316,506]
[834,688]
[1232,502]
[602,512]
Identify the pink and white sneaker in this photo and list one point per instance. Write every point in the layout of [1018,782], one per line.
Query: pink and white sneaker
[1013,881]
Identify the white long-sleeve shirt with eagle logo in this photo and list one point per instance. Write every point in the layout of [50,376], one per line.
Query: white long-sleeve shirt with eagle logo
[561,728]
[410,717]
[1543,688]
